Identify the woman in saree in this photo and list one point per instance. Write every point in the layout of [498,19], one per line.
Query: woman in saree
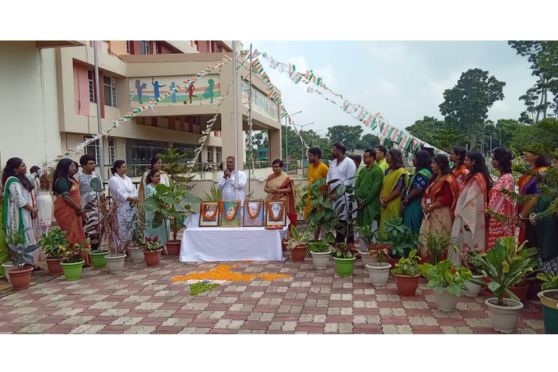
[469,228]
[504,224]
[156,165]
[152,180]
[460,171]
[67,207]
[125,196]
[393,186]
[18,210]
[280,187]
[438,203]
[412,213]
[528,187]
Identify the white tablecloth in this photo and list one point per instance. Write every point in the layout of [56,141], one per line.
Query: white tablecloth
[209,244]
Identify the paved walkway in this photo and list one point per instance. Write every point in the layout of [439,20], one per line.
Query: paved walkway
[143,300]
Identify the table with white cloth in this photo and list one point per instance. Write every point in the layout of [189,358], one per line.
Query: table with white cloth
[210,244]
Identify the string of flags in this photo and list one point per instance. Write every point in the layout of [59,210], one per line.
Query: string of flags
[316,85]
[153,102]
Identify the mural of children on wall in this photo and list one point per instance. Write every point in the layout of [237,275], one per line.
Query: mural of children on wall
[209,91]
[156,87]
[139,90]
[174,90]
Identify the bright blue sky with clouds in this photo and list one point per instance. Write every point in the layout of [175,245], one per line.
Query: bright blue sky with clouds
[402,80]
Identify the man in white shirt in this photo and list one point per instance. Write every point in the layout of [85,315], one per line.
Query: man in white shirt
[232,190]
[342,169]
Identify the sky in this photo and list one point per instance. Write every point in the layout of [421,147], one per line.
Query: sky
[403,80]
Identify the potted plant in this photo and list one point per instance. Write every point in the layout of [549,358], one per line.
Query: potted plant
[72,262]
[399,238]
[298,244]
[320,252]
[475,284]
[109,234]
[138,242]
[152,251]
[53,244]
[4,253]
[20,274]
[436,247]
[505,265]
[549,300]
[368,238]
[98,256]
[378,270]
[447,281]
[406,272]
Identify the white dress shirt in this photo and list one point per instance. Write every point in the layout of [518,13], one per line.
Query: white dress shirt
[229,187]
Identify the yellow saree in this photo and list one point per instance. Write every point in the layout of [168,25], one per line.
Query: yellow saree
[393,209]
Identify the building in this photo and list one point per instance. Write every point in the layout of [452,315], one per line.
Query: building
[49,103]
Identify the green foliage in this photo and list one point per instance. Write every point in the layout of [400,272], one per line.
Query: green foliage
[550,281]
[368,141]
[213,195]
[21,254]
[445,275]
[171,203]
[348,135]
[544,134]
[401,238]
[297,238]
[409,265]
[505,265]
[366,233]
[322,215]
[54,242]
[466,105]
[436,245]
[318,246]
[152,243]
[436,132]
[174,162]
[347,208]
[72,253]
[201,287]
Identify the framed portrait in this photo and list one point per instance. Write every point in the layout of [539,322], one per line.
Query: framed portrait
[209,214]
[253,215]
[275,214]
[230,213]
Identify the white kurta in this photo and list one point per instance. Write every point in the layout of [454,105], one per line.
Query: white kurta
[121,188]
[469,211]
[344,173]
[19,197]
[229,188]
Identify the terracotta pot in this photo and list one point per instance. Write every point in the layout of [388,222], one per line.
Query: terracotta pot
[21,277]
[406,285]
[173,247]
[53,265]
[299,253]
[152,258]
[520,290]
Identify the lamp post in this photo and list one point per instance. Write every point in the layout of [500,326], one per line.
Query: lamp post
[302,146]
[287,138]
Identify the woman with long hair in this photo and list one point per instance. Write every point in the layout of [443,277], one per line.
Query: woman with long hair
[393,186]
[438,202]
[460,171]
[45,205]
[67,208]
[412,214]
[19,208]
[529,187]
[126,197]
[469,228]
[504,224]
[152,179]
[156,165]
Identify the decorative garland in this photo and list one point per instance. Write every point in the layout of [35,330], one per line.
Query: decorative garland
[271,216]
[253,216]
[229,219]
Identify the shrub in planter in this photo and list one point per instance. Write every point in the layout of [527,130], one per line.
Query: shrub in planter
[474,285]
[20,274]
[549,301]
[447,281]
[72,262]
[152,252]
[400,238]
[298,244]
[436,247]
[320,252]
[344,259]
[53,244]
[505,265]
[406,273]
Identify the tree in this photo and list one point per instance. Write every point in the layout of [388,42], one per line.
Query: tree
[436,132]
[545,132]
[543,56]
[505,128]
[368,141]
[348,135]
[466,105]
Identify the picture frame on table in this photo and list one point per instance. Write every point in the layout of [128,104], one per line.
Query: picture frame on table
[210,214]
[230,213]
[253,215]
[275,214]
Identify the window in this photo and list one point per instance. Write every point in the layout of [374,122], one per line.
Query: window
[140,152]
[130,47]
[93,149]
[210,155]
[218,156]
[110,90]
[144,47]
[91,79]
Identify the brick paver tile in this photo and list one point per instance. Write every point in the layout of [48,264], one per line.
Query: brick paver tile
[36,328]
[127,321]
[141,329]
[77,319]
[88,328]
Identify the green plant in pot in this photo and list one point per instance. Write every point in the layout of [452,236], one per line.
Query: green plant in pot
[399,238]
[407,272]
[152,251]
[436,247]
[53,244]
[343,255]
[505,265]
[22,259]
[447,282]
[298,244]
[72,262]
[549,301]
[475,284]
[322,217]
